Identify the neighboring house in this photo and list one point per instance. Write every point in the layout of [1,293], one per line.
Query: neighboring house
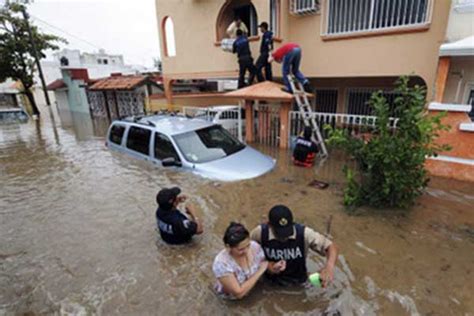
[456,61]
[455,95]
[350,47]
[98,65]
[9,95]
[121,95]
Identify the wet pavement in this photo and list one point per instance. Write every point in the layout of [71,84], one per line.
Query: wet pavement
[78,237]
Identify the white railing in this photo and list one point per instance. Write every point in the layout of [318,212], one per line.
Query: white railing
[352,16]
[228,117]
[304,7]
[355,124]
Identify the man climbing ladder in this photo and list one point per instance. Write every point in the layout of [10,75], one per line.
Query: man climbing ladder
[307,113]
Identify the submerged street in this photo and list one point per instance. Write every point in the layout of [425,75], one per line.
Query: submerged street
[78,235]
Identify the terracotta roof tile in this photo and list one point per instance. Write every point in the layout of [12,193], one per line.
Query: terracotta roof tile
[119,82]
[56,84]
[267,90]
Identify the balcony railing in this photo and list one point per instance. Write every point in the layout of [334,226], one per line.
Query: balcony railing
[359,16]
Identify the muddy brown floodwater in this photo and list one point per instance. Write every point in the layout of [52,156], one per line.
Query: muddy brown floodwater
[78,236]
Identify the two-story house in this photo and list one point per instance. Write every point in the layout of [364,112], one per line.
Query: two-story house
[350,47]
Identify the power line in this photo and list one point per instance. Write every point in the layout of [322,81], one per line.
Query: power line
[65,32]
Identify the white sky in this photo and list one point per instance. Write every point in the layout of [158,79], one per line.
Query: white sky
[126,27]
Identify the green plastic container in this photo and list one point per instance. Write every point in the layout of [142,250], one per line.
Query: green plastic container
[315,280]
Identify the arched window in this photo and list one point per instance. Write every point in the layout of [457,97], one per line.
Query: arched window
[243,9]
[169,43]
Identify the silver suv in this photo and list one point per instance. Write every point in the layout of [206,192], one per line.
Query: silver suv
[202,147]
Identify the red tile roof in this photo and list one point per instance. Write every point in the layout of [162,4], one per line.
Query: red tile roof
[56,84]
[265,91]
[119,82]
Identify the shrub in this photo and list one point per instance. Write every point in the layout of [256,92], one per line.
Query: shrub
[390,164]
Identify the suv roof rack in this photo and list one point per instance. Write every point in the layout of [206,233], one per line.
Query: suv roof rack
[139,119]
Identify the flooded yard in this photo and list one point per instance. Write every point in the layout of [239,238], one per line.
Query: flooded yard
[78,236]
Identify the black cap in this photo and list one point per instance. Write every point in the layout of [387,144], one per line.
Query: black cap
[166,197]
[281,220]
[263,24]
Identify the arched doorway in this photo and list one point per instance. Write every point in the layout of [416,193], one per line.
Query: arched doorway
[232,8]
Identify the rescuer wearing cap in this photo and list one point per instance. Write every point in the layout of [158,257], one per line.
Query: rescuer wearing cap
[175,227]
[286,245]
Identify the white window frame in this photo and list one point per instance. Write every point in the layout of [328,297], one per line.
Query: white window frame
[467,91]
[368,15]
[275,17]
[304,7]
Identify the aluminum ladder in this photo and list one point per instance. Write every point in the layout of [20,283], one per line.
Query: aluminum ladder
[307,114]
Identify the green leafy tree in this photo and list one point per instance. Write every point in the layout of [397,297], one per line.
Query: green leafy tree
[16,49]
[390,164]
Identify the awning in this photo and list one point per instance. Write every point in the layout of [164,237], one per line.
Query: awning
[464,47]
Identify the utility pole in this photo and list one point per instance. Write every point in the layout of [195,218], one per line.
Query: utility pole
[46,96]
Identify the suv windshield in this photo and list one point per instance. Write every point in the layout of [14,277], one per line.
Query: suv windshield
[207,144]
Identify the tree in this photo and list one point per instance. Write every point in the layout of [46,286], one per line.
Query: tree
[391,162]
[16,50]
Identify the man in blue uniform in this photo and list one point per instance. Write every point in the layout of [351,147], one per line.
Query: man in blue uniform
[286,246]
[242,49]
[175,227]
[266,46]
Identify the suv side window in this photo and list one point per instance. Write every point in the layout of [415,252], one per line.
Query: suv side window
[116,134]
[164,148]
[139,139]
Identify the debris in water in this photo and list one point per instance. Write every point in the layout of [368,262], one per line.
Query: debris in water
[318,184]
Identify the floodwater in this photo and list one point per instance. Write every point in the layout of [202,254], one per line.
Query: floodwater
[78,236]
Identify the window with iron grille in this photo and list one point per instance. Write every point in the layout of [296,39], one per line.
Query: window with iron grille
[326,100]
[304,7]
[352,16]
[357,100]
[471,102]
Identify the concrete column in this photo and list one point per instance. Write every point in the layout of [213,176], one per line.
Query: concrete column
[168,87]
[442,77]
[284,123]
[249,137]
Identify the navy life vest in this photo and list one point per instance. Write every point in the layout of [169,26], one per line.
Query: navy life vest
[304,153]
[290,250]
[175,228]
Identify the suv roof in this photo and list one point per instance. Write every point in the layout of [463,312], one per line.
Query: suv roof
[169,124]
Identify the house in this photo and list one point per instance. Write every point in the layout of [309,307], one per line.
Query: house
[455,95]
[350,47]
[121,95]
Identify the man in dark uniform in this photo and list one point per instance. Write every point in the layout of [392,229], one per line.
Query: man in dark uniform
[305,149]
[175,227]
[286,245]
[266,46]
[242,48]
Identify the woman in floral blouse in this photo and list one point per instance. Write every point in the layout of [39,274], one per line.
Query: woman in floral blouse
[239,266]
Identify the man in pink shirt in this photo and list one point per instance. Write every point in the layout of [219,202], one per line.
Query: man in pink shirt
[290,55]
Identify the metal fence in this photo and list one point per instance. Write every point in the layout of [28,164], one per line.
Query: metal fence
[351,16]
[232,118]
[357,100]
[267,124]
[326,100]
[354,124]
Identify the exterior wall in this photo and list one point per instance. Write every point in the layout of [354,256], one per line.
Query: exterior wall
[372,56]
[157,104]
[460,23]
[62,105]
[460,78]
[77,96]
[195,35]
[462,143]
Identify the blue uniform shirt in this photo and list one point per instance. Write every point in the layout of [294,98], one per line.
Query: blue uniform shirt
[242,48]
[175,228]
[267,42]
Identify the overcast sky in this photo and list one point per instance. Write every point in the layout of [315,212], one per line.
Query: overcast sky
[119,26]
